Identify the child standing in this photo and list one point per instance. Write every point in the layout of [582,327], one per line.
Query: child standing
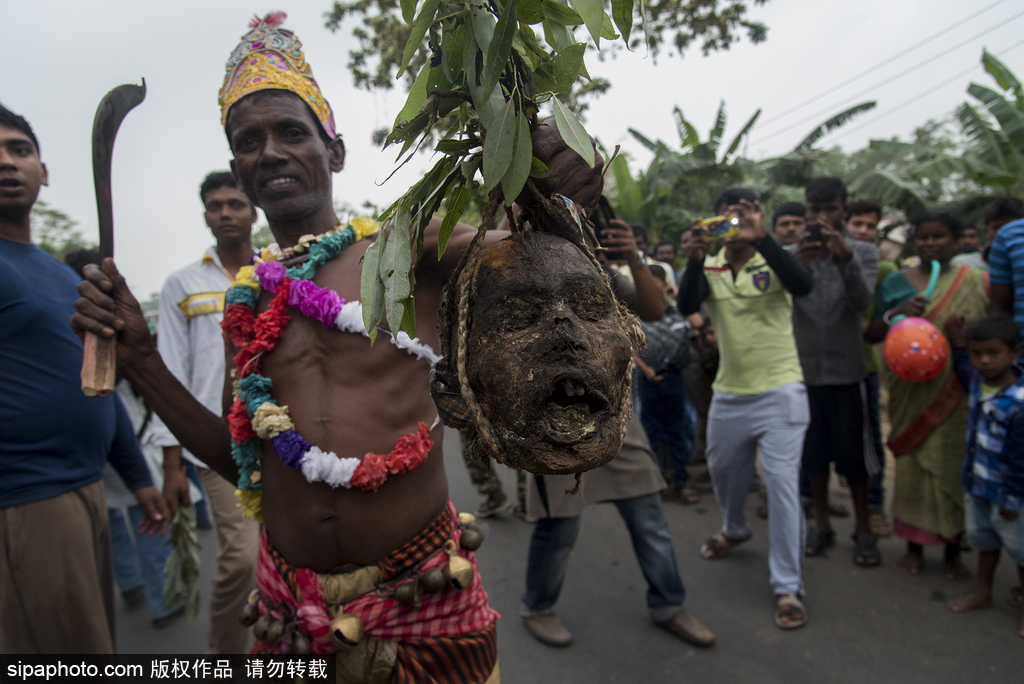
[993,467]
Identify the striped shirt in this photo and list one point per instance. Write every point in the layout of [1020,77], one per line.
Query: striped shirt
[1006,264]
[189,336]
[993,466]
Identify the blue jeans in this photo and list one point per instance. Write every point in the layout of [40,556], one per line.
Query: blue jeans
[664,419]
[553,539]
[876,488]
[139,563]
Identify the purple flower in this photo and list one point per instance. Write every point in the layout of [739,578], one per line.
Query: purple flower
[271,273]
[323,305]
[290,446]
[314,301]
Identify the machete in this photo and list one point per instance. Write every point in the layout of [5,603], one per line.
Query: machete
[99,358]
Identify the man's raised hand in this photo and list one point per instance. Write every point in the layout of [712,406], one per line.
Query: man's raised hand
[751,221]
[834,241]
[107,308]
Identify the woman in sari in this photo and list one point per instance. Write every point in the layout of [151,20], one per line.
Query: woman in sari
[929,419]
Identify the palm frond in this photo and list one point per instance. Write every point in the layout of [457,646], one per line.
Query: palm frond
[1011,119]
[715,138]
[688,136]
[739,136]
[840,119]
[1006,79]
[887,187]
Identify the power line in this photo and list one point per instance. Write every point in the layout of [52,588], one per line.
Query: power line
[881,64]
[871,88]
[920,95]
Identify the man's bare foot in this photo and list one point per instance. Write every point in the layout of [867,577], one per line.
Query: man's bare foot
[970,602]
[957,571]
[912,563]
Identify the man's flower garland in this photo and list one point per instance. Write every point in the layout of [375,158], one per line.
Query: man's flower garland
[254,415]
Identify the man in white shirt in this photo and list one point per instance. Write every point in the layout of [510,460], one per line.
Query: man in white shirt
[191,343]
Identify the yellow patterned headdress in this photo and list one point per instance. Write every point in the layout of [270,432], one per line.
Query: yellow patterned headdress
[270,58]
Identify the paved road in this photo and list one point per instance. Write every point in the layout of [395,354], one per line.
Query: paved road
[868,626]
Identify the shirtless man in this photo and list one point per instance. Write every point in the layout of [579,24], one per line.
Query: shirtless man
[342,394]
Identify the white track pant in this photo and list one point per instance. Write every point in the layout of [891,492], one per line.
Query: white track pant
[777,421]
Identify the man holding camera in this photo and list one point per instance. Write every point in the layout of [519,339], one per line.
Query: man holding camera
[759,396]
[826,323]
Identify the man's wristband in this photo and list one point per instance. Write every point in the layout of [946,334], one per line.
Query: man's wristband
[641,260]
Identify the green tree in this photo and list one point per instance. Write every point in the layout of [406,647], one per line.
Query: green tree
[56,232]
[985,158]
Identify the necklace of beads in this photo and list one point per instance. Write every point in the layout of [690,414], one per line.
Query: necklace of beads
[254,415]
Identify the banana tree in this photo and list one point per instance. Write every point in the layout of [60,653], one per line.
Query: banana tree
[992,160]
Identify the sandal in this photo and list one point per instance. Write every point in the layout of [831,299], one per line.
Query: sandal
[718,545]
[818,541]
[865,551]
[879,525]
[688,495]
[790,613]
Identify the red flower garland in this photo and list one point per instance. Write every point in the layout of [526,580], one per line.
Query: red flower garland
[410,451]
[237,323]
[239,423]
[266,332]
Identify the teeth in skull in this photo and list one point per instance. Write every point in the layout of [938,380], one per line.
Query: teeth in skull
[580,390]
[570,389]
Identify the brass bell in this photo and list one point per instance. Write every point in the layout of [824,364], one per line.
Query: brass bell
[250,614]
[408,593]
[481,527]
[471,539]
[301,645]
[466,518]
[458,571]
[259,630]
[432,580]
[346,630]
[254,596]
[275,631]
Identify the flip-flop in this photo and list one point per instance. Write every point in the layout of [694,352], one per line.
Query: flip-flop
[818,541]
[787,605]
[718,545]
[865,551]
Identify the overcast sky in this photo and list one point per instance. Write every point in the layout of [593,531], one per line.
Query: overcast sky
[62,57]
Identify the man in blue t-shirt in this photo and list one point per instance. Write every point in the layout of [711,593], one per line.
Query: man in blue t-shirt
[56,582]
[1004,223]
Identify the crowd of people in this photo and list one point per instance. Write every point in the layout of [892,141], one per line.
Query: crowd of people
[762,347]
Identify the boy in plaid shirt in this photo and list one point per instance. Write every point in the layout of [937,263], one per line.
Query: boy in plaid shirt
[993,469]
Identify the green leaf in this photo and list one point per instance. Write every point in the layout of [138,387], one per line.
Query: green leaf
[395,262]
[572,132]
[1006,79]
[560,73]
[408,10]
[499,47]
[743,132]
[622,13]
[456,206]
[498,145]
[482,22]
[417,97]
[608,28]
[409,314]
[840,119]
[419,29]
[530,11]
[556,35]
[453,54]
[371,288]
[519,169]
[560,14]
[1011,119]
[592,12]
[538,169]
[448,146]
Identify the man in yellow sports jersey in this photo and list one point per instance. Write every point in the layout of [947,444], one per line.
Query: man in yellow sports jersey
[759,395]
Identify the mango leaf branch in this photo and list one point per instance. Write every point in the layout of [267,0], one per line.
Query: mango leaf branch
[483,68]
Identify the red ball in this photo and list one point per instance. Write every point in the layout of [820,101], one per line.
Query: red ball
[915,350]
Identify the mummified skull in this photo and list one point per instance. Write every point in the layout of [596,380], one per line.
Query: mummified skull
[548,356]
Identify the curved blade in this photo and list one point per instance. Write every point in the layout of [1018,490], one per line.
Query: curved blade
[111,111]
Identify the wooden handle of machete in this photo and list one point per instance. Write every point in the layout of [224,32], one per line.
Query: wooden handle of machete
[99,365]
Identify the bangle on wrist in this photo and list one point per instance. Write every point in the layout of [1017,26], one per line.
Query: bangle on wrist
[887,316]
[641,260]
